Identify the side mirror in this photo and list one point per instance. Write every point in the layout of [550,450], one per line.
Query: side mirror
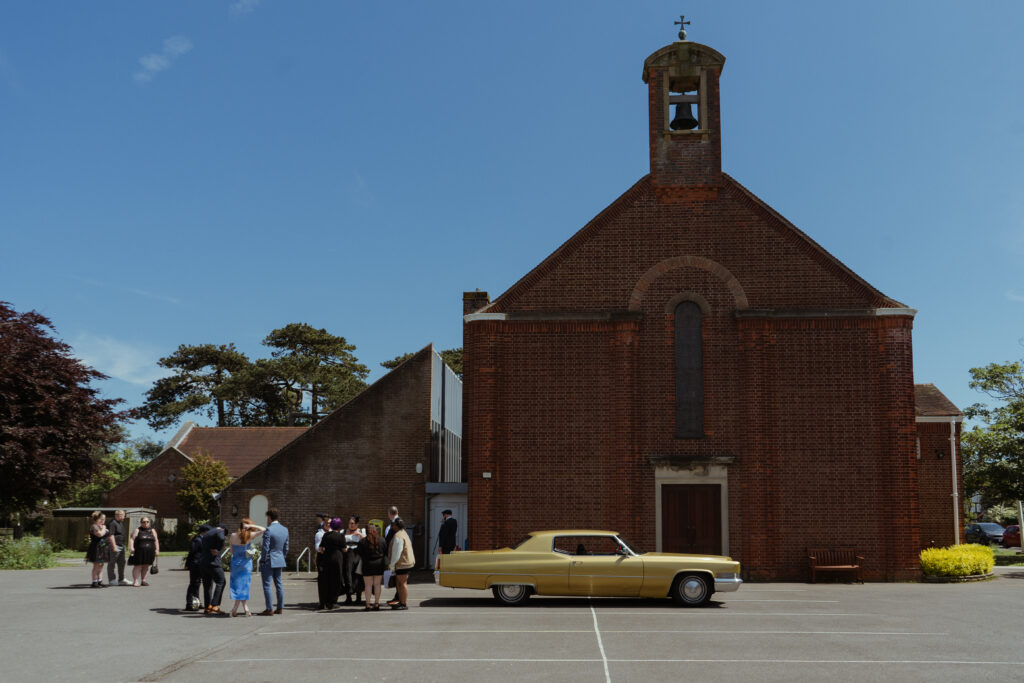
[622,551]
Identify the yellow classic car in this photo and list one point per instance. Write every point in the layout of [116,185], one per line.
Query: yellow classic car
[587,562]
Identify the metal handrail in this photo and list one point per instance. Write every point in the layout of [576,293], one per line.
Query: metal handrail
[309,561]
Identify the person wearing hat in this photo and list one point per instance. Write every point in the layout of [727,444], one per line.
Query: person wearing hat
[448,533]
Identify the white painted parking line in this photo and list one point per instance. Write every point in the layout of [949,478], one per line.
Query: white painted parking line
[607,630]
[817,662]
[600,645]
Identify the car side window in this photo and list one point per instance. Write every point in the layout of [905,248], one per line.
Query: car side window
[585,545]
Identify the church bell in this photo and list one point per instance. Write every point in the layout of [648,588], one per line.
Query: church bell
[684,118]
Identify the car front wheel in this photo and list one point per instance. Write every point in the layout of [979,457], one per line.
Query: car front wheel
[511,595]
[691,590]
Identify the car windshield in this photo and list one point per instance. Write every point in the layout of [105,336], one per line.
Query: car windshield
[632,548]
[991,526]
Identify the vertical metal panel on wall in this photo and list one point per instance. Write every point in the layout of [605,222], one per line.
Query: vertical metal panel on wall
[445,423]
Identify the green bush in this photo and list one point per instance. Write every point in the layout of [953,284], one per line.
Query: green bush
[957,560]
[27,553]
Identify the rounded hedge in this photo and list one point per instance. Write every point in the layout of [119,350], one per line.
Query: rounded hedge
[958,560]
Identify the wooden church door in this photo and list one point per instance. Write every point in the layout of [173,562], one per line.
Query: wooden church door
[691,518]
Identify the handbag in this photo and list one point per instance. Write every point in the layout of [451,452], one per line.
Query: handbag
[131,559]
[392,582]
[155,569]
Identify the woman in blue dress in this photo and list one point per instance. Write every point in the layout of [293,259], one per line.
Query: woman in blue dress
[241,564]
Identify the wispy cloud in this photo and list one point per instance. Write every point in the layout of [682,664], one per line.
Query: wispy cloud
[166,298]
[154,63]
[131,363]
[154,295]
[244,6]
[1012,295]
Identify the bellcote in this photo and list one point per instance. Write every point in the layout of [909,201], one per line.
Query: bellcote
[685,124]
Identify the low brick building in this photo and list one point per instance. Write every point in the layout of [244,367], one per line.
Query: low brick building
[940,468]
[397,443]
[239,448]
[694,371]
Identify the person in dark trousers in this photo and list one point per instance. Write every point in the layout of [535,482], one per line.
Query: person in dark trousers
[351,583]
[389,533]
[213,572]
[329,581]
[195,571]
[116,528]
[448,533]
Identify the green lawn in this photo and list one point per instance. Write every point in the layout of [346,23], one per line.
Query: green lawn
[80,554]
[1008,558]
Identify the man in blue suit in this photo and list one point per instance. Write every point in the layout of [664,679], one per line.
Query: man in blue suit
[272,560]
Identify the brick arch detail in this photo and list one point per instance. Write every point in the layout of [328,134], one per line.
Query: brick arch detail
[676,262]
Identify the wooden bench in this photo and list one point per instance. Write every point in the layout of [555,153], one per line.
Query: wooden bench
[834,560]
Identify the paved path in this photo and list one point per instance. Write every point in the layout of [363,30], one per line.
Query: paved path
[54,627]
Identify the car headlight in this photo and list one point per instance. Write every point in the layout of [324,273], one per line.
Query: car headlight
[727,576]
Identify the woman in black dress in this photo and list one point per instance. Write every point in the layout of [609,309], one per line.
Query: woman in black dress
[332,547]
[144,547]
[100,539]
[372,550]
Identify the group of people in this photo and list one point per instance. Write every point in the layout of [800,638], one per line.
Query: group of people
[353,561]
[107,546]
[358,561]
[206,571]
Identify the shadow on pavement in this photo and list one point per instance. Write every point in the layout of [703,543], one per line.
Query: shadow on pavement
[541,602]
[1011,575]
[76,586]
[170,611]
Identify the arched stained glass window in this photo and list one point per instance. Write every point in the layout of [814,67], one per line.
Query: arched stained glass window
[689,356]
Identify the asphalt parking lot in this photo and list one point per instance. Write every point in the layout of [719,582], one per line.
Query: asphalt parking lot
[54,627]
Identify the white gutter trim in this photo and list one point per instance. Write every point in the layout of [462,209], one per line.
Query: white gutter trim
[896,311]
[470,317]
[956,492]
[939,418]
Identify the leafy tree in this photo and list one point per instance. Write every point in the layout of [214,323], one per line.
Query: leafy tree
[113,467]
[994,450]
[147,448]
[309,362]
[397,360]
[452,357]
[200,372]
[51,420]
[199,481]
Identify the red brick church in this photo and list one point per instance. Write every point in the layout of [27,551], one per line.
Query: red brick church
[694,371]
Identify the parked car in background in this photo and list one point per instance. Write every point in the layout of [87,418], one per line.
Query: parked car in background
[984,533]
[1011,537]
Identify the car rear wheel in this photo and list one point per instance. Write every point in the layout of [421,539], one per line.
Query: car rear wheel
[510,594]
[691,590]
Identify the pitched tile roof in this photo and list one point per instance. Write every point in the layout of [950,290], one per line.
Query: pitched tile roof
[930,402]
[239,448]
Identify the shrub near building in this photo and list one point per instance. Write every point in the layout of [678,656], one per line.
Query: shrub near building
[957,560]
[26,553]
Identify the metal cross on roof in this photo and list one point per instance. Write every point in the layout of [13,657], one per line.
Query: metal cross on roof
[682,24]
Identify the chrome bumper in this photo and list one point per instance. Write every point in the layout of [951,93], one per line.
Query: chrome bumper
[728,585]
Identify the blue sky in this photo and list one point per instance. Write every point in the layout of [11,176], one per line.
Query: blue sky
[192,172]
